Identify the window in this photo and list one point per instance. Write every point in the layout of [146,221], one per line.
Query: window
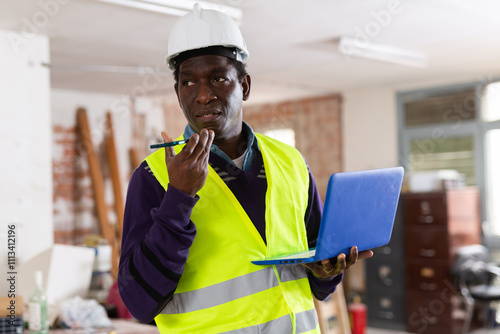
[456,128]
[286,136]
[455,153]
[492,102]
[493,179]
[491,117]
[441,108]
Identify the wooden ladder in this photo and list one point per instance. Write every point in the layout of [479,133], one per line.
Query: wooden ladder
[107,229]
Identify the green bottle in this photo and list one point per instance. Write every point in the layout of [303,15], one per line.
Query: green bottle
[37,308]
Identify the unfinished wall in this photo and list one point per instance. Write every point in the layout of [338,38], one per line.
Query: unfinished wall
[74,209]
[136,123]
[25,190]
[318,130]
[25,151]
[370,129]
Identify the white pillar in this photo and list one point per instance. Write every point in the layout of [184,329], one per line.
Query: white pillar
[25,149]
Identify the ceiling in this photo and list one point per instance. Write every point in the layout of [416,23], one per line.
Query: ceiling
[291,54]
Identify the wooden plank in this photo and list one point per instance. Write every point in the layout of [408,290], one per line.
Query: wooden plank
[135,160]
[115,174]
[332,313]
[139,141]
[138,150]
[344,326]
[96,177]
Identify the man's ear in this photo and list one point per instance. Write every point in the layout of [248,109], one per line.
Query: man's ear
[245,84]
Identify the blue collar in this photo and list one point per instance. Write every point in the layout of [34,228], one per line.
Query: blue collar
[251,145]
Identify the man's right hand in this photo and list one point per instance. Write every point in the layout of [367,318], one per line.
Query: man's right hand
[188,170]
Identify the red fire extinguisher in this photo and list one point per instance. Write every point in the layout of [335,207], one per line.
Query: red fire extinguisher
[357,316]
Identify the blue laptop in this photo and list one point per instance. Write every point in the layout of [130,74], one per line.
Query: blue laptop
[359,210]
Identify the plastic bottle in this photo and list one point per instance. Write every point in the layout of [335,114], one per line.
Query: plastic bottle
[37,308]
[357,316]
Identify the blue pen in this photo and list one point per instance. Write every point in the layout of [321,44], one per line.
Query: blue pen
[170,144]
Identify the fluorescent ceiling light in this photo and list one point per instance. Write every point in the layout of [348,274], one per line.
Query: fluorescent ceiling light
[356,47]
[176,7]
[139,70]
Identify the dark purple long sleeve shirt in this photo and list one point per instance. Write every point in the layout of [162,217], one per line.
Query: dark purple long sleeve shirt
[158,232]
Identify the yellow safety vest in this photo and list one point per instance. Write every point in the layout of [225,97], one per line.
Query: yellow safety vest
[220,290]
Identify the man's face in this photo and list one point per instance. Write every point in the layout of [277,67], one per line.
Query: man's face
[211,95]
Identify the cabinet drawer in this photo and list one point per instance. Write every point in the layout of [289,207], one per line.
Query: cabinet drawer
[393,250]
[427,243]
[384,275]
[431,312]
[425,210]
[386,307]
[425,276]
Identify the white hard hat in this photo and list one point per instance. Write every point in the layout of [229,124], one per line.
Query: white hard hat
[204,28]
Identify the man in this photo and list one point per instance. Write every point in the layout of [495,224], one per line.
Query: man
[197,214]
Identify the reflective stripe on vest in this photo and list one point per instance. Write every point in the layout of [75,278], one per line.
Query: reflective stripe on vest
[220,290]
[306,323]
[240,287]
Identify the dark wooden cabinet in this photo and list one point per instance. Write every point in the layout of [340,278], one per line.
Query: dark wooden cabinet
[435,225]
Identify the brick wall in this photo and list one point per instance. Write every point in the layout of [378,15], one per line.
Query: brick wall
[136,123]
[317,126]
[73,204]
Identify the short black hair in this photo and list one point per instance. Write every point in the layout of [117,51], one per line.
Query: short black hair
[241,70]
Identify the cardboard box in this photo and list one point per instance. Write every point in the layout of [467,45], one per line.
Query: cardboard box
[11,306]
